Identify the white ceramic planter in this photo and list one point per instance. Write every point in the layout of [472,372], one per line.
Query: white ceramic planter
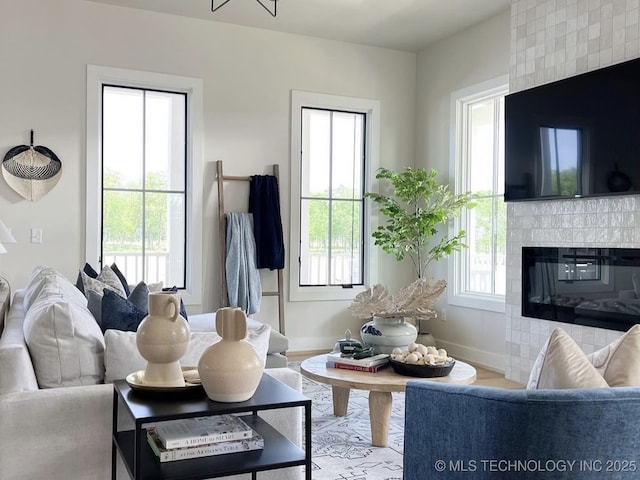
[384,334]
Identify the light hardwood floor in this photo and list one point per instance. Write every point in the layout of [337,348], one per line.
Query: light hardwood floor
[486,377]
[489,378]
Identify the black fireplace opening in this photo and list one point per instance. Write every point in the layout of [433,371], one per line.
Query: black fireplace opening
[596,287]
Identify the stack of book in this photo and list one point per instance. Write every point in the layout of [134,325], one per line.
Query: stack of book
[369,364]
[202,437]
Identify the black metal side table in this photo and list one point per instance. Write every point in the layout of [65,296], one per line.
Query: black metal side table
[151,407]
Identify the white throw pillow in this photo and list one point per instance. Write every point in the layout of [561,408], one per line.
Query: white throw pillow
[619,362]
[562,364]
[64,341]
[121,355]
[43,276]
[34,284]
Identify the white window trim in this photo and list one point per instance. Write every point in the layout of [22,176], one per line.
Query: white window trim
[455,296]
[371,108]
[96,77]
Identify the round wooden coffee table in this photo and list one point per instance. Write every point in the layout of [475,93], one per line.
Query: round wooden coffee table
[380,386]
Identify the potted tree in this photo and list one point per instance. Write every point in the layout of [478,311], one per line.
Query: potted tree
[415,209]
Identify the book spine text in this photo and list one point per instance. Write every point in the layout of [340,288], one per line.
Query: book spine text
[357,368]
[254,443]
[204,439]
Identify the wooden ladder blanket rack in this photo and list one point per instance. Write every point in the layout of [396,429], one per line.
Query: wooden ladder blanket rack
[224,300]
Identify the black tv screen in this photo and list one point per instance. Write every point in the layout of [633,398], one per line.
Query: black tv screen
[576,137]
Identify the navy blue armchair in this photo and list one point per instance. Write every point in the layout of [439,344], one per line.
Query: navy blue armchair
[472,432]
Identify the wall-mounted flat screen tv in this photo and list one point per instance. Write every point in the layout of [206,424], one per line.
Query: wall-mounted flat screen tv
[576,137]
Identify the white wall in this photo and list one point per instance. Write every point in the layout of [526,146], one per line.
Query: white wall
[473,56]
[247,73]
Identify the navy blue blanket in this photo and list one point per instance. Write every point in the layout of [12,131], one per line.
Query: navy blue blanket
[264,204]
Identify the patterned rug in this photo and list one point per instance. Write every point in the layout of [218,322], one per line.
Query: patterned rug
[342,447]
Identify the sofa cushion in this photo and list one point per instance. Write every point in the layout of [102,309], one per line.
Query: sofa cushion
[65,342]
[619,362]
[42,276]
[563,364]
[16,368]
[122,357]
[278,343]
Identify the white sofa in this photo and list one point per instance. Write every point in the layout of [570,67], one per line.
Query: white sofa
[65,432]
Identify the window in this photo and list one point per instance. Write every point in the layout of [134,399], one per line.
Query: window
[143,183]
[331,201]
[143,161]
[478,276]
[333,155]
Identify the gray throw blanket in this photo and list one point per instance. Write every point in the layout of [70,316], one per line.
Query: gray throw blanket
[243,280]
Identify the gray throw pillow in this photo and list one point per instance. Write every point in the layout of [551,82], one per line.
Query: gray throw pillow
[139,297]
[94,304]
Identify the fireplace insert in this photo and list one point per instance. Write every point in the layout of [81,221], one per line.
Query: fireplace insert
[597,287]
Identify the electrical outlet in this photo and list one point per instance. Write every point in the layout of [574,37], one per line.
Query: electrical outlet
[36,235]
[443,315]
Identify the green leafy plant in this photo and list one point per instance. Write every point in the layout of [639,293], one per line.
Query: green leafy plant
[414,212]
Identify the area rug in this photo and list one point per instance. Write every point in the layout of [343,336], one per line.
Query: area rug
[342,447]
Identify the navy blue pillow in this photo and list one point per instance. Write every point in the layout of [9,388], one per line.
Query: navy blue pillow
[183,311]
[88,269]
[118,313]
[122,278]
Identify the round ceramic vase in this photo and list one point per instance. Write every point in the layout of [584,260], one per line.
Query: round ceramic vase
[162,339]
[384,334]
[231,369]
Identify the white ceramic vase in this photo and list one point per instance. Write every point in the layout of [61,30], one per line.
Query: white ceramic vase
[384,334]
[162,339]
[231,369]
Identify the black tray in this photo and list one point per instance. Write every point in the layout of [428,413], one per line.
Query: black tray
[424,371]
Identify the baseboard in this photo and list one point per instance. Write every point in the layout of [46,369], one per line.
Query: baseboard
[489,360]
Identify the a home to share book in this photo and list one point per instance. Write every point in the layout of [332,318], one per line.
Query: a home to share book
[192,432]
[368,364]
[256,442]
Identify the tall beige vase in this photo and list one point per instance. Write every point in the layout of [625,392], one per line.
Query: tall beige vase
[162,339]
[231,369]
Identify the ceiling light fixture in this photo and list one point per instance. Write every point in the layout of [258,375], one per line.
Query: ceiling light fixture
[273,12]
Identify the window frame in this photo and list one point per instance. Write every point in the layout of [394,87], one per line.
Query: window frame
[456,294]
[97,76]
[371,108]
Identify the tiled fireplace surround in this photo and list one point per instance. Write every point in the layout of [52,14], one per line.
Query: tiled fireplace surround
[550,40]
[594,222]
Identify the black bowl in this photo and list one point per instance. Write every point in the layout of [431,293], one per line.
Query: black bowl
[424,371]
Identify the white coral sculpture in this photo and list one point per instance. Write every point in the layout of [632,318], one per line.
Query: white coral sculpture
[413,300]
